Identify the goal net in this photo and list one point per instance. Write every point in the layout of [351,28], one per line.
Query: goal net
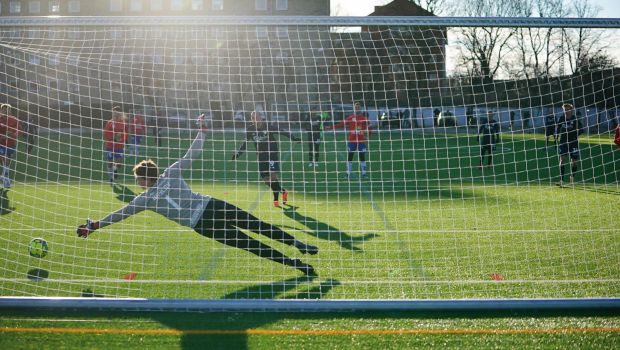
[451,194]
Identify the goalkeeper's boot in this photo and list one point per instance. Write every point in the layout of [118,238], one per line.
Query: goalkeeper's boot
[306,248]
[276,204]
[284,196]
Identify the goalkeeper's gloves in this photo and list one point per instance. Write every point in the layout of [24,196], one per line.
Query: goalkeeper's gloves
[85,230]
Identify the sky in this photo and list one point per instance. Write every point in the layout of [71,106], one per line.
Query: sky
[609,8]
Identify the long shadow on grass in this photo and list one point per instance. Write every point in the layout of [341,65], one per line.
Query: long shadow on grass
[610,191]
[123,193]
[5,203]
[327,232]
[239,322]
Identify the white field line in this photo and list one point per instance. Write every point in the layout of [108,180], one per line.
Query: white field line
[341,282]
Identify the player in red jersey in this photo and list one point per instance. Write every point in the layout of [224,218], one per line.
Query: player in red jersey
[9,131]
[115,136]
[137,129]
[358,133]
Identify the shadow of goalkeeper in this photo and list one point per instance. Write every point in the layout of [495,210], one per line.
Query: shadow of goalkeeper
[327,232]
[229,330]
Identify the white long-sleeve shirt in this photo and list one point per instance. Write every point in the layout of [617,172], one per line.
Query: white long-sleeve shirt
[170,196]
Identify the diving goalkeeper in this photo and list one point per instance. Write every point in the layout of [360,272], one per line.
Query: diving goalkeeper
[169,195]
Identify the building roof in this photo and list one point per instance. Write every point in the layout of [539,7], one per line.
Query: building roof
[400,8]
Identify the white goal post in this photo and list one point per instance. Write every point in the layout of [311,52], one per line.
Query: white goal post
[435,207]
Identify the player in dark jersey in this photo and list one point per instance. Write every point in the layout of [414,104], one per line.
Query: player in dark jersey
[261,133]
[170,196]
[488,136]
[314,127]
[568,131]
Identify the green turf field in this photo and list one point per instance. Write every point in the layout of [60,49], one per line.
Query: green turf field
[426,224]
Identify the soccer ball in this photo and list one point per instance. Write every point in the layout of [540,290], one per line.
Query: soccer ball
[38,248]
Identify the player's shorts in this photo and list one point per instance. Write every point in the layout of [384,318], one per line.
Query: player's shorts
[268,166]
[136,139]
[116,154]
[357,146]
[7,151]
[571,149]
[488,147]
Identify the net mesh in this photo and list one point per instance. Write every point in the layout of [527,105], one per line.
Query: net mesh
[422,216]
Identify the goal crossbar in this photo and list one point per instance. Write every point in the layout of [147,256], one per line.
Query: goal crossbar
[424,21]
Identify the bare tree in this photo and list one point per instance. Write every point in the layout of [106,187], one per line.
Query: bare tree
[537,48]
[484,48]
[436,7]
[584,46]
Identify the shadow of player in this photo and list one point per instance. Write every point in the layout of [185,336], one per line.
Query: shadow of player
[123,193]
[327,232]
[5,203]
[228,328]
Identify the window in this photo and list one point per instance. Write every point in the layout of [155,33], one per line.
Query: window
[217,5]
[116,5]
[15,7]
[261,5]
[54,6]
[135,5]
[281,5]
[157,5]
[74,6]
[176,5]
[198,5]
[34,6]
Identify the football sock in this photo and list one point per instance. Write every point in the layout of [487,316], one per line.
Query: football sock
[363,167]
[276,188]
[574,171]
[561,172]
[349,167]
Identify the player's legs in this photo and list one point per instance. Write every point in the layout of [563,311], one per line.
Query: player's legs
[218,224]
[574,156]
[352,148]
[562,168]
[244,220]
[362,157]
[316,147]
[483,151]
[5,162]
[311,152]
